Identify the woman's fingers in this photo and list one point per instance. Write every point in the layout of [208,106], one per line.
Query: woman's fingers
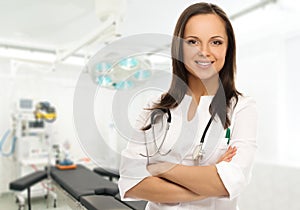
[228,155]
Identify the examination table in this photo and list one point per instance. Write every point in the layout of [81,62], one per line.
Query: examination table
[87,189]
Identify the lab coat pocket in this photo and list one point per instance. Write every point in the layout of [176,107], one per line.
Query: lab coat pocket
[217,152]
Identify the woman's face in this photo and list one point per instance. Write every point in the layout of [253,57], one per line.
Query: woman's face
[204,46]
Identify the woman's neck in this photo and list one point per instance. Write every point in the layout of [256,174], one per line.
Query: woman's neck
[198,87]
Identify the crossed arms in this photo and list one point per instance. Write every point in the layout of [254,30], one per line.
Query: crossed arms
[181,183]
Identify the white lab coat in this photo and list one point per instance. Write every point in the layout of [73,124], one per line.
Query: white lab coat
[182,138]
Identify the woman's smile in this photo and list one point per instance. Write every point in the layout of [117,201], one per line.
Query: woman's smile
[204,64]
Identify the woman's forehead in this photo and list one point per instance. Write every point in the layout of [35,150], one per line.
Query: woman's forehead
[205,24]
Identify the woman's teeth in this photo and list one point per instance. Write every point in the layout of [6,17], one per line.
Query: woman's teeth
[203,63]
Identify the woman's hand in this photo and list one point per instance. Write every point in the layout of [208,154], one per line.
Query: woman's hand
[228,155]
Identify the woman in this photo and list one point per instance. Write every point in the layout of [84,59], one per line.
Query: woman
[203,91]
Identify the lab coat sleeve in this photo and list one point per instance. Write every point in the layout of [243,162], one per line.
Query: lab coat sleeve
[236,174]
[132,170]
[133,166]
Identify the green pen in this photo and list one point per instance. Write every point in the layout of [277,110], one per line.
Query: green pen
[228,135]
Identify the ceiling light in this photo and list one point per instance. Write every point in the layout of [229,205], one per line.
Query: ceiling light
[104,80]
[124,85]
[103,67]
[124,74]
[129,63]
[142,74]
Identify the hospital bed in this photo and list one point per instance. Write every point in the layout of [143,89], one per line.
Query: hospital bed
[85,189]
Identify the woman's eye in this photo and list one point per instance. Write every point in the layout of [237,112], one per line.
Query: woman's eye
[192,42]
[217,42]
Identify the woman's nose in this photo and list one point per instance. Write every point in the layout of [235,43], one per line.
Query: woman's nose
[203,50]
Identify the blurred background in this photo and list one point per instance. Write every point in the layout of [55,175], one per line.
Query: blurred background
[45,47]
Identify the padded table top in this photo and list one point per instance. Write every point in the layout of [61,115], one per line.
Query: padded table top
[107,172]
[80,181]
[138,205]
[28,180]
[102,202]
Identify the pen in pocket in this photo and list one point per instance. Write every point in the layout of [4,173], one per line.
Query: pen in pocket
[228,135]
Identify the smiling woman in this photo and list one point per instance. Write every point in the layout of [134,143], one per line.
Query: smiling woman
[202,174]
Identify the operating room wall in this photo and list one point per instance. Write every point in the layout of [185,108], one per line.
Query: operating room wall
[268,42]
[266,55]
[257,76]
[266,73]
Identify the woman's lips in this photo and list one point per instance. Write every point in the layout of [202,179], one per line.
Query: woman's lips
[204,64]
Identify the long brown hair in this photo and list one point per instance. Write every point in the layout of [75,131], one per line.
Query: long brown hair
[227,88]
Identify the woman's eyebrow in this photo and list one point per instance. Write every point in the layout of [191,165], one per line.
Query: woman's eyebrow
[195,37]
[217,36]
[213,37]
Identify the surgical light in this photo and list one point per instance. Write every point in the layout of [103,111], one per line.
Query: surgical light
[142,74]
[124,85]
[129,63]
[104,80]
[102,67]
[124,74]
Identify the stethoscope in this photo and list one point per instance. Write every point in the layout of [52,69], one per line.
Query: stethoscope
[198,153]
[156,114]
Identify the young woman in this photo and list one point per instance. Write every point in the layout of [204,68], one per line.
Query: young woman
[213,127]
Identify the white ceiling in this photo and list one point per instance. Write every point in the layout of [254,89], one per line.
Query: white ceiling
[60,24]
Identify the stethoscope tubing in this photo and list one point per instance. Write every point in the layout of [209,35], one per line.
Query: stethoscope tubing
[158,148]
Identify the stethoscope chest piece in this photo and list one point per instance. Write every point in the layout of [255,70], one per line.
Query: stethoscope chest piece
[198,153]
